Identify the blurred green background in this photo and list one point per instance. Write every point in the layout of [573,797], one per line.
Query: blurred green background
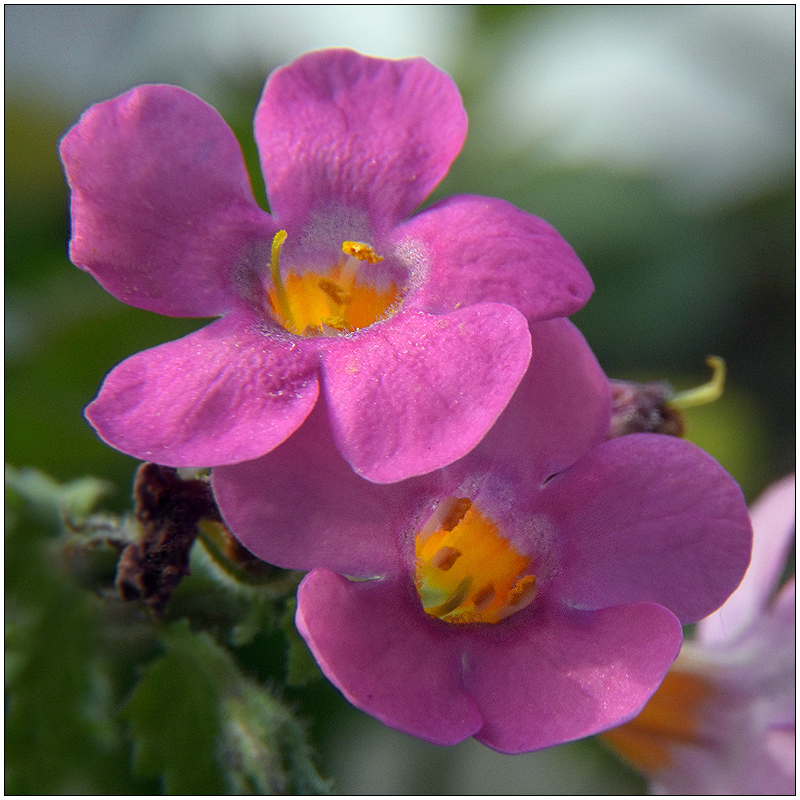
[659,140]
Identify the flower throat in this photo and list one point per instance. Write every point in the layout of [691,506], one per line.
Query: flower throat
[317,304]
[466,571]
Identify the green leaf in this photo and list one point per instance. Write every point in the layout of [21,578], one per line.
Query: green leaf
[174,716]
[58,736]
[208,729]
[52,501]
[195,723]
[61,733]
[264,747]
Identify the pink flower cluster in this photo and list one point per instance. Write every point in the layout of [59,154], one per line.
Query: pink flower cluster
[483,560]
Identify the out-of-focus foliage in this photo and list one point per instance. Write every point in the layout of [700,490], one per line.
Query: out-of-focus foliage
[61,737]
[199,723]
[675,282]
[103,698]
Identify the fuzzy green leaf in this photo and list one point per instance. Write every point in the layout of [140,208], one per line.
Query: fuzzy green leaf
[207,729]
[61,734]
[174,717]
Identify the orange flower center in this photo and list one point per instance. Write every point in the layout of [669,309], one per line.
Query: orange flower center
[465,570]
[341,300]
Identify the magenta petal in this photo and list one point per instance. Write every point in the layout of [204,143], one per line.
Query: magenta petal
[479,249]
[648,517]
[773,516]
[760,663]
[220,395]
[762,765]
[556,414]
[302,506]
[162,210]
[418,392]
[377,647]
[570,674]
[336,128]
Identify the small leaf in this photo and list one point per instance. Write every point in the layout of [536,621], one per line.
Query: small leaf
[174,716]
[207,729]
[265,749]
[61,733]
[74,500]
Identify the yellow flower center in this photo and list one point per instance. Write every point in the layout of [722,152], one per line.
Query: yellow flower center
[325,304]
[669,718]
[465,570]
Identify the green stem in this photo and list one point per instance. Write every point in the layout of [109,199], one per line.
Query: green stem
[708,392]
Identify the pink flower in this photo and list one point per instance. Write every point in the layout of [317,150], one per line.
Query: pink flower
[528,594]
[416,329]
[723,721]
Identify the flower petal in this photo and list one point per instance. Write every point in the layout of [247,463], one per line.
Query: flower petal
[375,645]
[418,392]
[569,674]
[556,414]
[763,766]
[302,506]
[745,730]
[162,210]
[773,516]
[777,633]
[479,249]
[745,726]
[217,396]
[648,517]
[336,128]
[755,672]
